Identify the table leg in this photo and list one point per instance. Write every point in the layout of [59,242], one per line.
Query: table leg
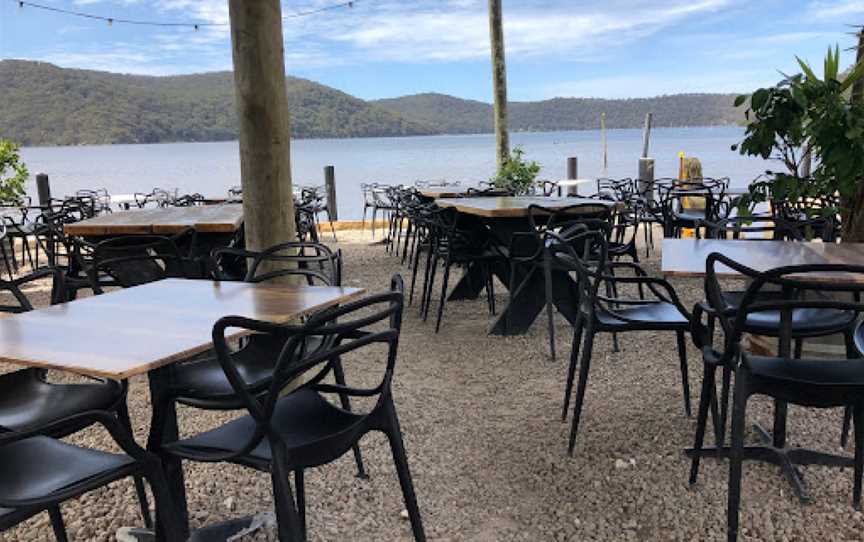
[530,297]
[470,285]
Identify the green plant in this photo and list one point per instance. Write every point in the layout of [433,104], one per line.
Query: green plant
[13,173]
[516,173]
[805,115]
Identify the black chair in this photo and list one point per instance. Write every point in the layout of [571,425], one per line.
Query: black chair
[291,431]
[785,377]
[585,253]
[529,250]
[28,401]
[452,245]
[38,473]
[684,205]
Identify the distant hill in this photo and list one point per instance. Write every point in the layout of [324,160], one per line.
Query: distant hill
[42,104]
[454,115]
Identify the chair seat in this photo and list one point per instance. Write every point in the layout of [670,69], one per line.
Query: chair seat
[27,401]
[811,321]
[37,467]
[302,419]
[203,382]
[647,316]
[808,382]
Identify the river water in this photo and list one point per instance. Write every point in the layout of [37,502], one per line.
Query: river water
[211,168]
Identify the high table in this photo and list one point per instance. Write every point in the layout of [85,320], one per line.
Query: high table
[143,330]
[686,258]
[500,218]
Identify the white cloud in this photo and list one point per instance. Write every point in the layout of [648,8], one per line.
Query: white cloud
[835,9]
[648,85]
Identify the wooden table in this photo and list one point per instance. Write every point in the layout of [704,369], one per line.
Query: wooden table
[144,329]
[500,218]
[686,257]
[225,219]
[442,192]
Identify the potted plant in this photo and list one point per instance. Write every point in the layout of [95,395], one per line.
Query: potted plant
[13,174]
[517,175]
[804,116]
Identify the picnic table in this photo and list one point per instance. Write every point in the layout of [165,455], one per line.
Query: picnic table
[143,330]
[501,217]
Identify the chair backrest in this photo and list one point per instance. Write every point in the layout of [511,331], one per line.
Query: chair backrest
[618,189]
[750,228]
[544,219]
[20,302]
[139,259]
[313,261]
[822,286]
[376,319]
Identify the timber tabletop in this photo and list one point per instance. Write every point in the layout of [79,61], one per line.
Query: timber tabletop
[132,331]
[686,257]
[225,218]
[513,207]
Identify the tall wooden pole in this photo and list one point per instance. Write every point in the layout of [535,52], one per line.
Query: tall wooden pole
[858,87]
[262,111]
[499,82]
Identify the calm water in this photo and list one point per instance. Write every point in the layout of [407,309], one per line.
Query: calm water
[211,168]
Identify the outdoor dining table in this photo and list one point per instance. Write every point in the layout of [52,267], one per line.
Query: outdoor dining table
[143,330]
[687,258]
[224,219]
[500,218]
[442,192]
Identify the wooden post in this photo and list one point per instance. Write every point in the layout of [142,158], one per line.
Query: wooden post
[646,177]
[262,112]
[43,189]
[572,174]
[858,87]
[499,83]
[330,187]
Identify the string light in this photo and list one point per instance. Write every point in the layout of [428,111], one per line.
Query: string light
[195,26]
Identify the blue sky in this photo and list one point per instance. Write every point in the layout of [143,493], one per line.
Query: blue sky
[386,48]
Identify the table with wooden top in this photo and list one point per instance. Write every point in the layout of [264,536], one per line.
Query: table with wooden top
[214,219]
[500,218]
[687,258]
[143,330]
[442,192]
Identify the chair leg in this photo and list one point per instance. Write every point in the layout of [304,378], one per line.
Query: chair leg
[57,524]
[708,391]
[339,377]
[426,271]
[300,487]
[397,447]
[123,418]
[578,328]
[724,406]
[432,272]
[490,288]
[447,265]
[584,366]
[550,315]
[685,379]
[363,222]
[739,412]
[858,416]
[416,263]
[374,215]
[287,519]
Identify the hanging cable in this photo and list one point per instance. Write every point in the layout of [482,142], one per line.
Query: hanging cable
[194,25]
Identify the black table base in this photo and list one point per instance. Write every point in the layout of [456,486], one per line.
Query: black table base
[785,457]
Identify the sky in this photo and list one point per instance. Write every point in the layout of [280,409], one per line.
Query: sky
[388,48]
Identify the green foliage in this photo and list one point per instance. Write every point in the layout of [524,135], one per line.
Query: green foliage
[13,173]
[802,114]
[517,174]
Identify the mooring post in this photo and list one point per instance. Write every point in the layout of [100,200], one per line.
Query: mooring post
[43,189]
[646,177]
[330,187]
[572,174]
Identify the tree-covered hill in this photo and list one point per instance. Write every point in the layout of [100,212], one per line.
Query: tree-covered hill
[42,104]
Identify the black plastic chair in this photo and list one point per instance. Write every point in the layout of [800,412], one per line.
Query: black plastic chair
[785,377]
[292,431]
[28,401]
[528,250]
[599,312]
[38,473]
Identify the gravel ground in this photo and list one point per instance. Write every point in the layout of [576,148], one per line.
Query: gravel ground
[480,416]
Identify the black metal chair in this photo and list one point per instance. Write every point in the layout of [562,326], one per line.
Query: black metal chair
[291,431]
[38,473]
[785,377]
[29,401]
[585,253]
[686,204]
[528,250]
